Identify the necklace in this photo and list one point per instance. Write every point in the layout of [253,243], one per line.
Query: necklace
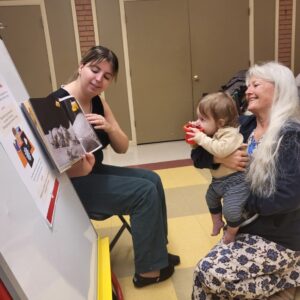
[253,143]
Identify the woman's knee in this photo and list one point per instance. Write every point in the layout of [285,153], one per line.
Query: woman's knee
[153,177]
[207,273]
[146,193]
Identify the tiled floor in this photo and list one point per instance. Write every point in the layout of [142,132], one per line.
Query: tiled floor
[188,220]
[150,153]
[189,230]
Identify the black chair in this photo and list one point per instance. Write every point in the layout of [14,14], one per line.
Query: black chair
[125,225]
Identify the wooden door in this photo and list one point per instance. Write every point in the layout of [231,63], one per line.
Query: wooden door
[178,50]
[25,41]
[219,43]
[264,30]
[160,65]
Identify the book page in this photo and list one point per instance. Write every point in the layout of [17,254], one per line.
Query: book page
[57,132]
[81,127]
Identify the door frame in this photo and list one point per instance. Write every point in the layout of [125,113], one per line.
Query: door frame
[251,30]
[293,36]
[41,4]
[75,25]
[133,140]
[127,71]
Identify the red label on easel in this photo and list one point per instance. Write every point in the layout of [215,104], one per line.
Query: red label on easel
[4,294]
[52,201]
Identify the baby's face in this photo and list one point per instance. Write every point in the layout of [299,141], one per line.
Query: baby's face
[207,123]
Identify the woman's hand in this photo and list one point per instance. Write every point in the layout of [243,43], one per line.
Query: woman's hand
[83,167]
[238,160]
[99,122]
[118,139]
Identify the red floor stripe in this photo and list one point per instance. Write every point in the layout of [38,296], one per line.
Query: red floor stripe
[165,164]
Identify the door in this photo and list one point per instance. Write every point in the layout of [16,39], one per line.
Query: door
[110,35]
[160,66]
[178,50]
[219,43]
[264,30]
[25,41]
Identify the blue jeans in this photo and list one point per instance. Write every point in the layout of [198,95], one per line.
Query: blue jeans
[135,192]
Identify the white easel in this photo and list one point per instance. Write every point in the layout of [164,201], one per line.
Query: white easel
[37,262]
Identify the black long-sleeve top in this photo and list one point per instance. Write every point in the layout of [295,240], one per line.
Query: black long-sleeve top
[279,214]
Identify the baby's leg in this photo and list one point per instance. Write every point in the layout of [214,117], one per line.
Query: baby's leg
[233,205]
[229,234]
[213,199]
[218,223]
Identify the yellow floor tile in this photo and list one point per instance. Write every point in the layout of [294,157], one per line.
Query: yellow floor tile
[206,224]
[161,291]
[190,238]
[182,176]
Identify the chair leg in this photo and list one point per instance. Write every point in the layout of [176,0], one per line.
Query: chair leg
[124,226]
[117,236]
[125,223]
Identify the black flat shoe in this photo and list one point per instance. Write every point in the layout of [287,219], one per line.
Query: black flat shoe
[165,273]
[173,259]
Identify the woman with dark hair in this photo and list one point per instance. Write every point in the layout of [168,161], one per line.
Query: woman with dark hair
[112,190]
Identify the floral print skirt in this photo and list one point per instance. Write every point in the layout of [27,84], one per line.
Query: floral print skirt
[249,268]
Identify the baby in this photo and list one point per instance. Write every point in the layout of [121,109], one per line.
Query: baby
[216,130]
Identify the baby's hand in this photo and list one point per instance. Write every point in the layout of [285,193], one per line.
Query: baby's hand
[190,129]
[196,135]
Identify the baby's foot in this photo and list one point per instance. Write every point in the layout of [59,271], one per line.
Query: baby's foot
[217,226]
[229,234]
[228,238]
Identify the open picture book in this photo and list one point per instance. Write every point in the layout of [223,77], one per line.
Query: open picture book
[62,129]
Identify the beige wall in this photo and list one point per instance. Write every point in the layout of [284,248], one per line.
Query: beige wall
[56,21]
[62,36]
[63,41]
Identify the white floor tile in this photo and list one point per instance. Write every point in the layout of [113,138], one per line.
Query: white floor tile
[150,153]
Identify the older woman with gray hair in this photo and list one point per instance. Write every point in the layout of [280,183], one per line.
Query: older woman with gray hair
[265,258]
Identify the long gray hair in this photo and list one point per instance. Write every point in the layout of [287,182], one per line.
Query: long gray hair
[285,109]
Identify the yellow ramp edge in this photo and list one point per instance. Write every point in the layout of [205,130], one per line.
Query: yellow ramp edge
[104,271]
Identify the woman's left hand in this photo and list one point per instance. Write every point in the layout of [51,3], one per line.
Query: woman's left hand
[83,167]
[99,122]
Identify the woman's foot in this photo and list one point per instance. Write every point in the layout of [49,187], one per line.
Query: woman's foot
[144,279]
[173,259]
